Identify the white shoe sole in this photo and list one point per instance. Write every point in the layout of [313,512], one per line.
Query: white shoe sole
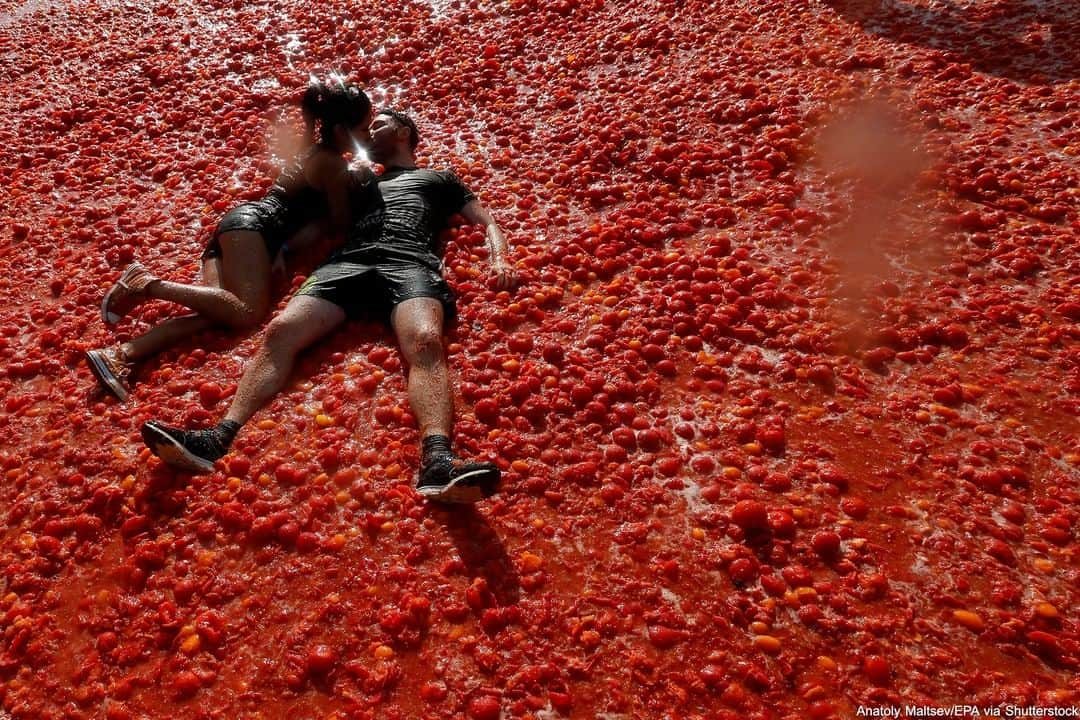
[166,447]
[465,489]
[109,318]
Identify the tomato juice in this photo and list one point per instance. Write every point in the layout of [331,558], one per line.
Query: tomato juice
[786,400]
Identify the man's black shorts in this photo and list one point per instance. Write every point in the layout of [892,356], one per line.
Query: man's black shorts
[374,290]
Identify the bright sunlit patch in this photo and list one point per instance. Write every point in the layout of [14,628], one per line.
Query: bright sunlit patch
[360,157]
[338,78]
[294,48]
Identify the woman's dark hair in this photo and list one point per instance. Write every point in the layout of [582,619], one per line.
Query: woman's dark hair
[333,103]
[404,121]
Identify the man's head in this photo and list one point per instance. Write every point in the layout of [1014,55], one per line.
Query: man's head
[392,133]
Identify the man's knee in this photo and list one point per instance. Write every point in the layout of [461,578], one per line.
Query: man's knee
[283,334]
[425,344]
[303,322]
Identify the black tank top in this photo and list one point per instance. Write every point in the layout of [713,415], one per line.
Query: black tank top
[294,201]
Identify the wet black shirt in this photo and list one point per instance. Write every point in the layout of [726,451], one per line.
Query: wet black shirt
[299,202]
[399,215]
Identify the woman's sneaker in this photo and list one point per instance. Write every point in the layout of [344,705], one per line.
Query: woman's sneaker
[449,480]
[126,293]
[112,370]
[191,450]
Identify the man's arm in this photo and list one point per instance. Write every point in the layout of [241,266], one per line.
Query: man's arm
[477,214]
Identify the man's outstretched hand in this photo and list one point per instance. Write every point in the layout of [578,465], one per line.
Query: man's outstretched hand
[503,273]
[505,276]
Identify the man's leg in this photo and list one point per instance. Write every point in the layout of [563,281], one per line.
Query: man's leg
[304,320]
[418,323]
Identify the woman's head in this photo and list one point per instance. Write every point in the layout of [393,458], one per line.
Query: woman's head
[332,105]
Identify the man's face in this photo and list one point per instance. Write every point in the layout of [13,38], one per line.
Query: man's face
[385,134]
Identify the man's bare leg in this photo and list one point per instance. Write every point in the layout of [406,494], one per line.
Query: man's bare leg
[418,323]
[304,320]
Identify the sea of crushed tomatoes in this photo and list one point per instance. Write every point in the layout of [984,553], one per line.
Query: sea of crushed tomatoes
[787,397]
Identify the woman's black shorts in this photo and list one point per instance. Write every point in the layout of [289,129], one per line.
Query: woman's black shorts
[261,217]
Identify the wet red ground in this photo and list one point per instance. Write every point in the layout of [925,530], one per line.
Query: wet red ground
[787,399]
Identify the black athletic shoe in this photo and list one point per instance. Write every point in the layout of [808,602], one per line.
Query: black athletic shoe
[191,450]
[449,480]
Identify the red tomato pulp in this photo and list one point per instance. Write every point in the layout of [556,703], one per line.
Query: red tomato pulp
[786,399]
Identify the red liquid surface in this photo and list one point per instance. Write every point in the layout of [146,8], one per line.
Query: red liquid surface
[786,399]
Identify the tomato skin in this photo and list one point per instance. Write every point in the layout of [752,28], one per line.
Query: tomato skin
[742,570]
[186,684]
[773,585]
[855,507]
[822,710]
[433,692]
[1001,551]
[484,707]
[289,474]
[772,438]
[877,669]
[118,711]
[750,515]
[321,659]
[797,576]
[107,642]
[288,533]
[826,543]
[782,523]
[561,701]
[665,637]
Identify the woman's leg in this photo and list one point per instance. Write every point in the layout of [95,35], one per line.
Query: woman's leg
[163,335]
[240,299]
[112,366]
[171,331]
[235,292]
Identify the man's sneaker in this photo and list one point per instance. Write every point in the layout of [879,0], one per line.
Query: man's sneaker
[126,293]
[112,370]
[449,480]
[191,450]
